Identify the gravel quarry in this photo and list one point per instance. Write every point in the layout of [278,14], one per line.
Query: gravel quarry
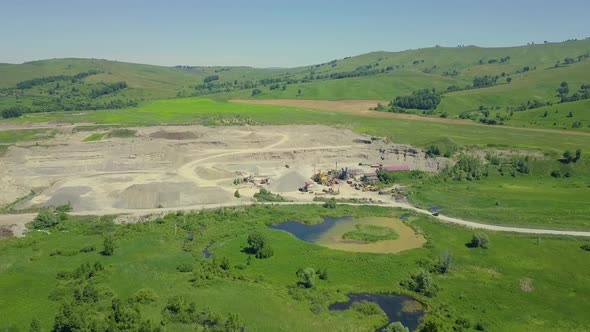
[165,167]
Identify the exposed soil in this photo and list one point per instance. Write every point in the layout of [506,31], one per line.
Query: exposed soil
[183,166]
[362,107]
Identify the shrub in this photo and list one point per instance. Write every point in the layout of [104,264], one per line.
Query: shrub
[555,174]
[237,194]
[185,267]
[88,249]
[225,264]
[108,246]
[479,240]
[264,195]
[13,112]
[445,261]
[307,276]
[256,92]
[265,252]
[367,308]
[420,282]
[46,219]
[323,274]
[259,246]
[144,296]
[433,151]
[586,247]
[396,327]
[330,203]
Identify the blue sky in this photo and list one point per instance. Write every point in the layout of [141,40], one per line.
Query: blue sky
[266,33]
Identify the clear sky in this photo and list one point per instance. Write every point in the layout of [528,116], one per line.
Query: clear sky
[272,33]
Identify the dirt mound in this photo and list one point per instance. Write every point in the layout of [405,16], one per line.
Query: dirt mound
[174,135]
[169,194]
[253,136]
[291,181]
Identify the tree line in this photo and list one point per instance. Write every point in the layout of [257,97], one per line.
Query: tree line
[107,88]
[425,99]
[28,84]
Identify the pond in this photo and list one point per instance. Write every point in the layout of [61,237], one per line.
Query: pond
[335,233]
[206,252]
[398,308]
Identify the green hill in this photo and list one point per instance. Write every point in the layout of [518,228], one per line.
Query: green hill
[518,77]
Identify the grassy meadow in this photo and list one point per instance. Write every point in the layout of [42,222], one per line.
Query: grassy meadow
[524,274]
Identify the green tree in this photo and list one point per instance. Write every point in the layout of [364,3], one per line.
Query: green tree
[330,203]
[445,261]
[108,246]
[578,155]
[68,319]
[433,151]
[234,323]
[256,241]
[259,246]
[123,317]
[396,327]
[568,156]
[509,80]
[479,240]
[225,264]
[307,276]
[265,252]
[237,194]
[35,325]
[256,92]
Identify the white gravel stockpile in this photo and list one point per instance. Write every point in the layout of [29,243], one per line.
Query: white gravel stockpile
[291,181]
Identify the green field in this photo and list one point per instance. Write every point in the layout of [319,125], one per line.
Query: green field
[208,112]
[517,273]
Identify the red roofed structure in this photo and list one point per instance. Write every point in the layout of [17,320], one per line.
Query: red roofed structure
[395,168]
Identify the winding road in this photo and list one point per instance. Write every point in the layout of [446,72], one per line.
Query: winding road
[21,219]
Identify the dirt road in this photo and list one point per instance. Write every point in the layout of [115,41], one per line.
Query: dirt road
[362,107]
[19,220]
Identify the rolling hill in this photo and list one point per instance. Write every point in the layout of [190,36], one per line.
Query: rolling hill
[520,75]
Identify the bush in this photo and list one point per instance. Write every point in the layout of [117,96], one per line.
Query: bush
[259,246]
[307,276]
[88,249]
[185,267]
[479,240]
[225,264]
[420,282]
[323,274]
[144,296]
[265,252]
[396,327]
[367,308]
[13,112]
[50,217]
[264,195]
[237,194]
[586,247]
[330,203]
[108,246]
[555,174]
[445,261]
[256,92]
[433,151]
